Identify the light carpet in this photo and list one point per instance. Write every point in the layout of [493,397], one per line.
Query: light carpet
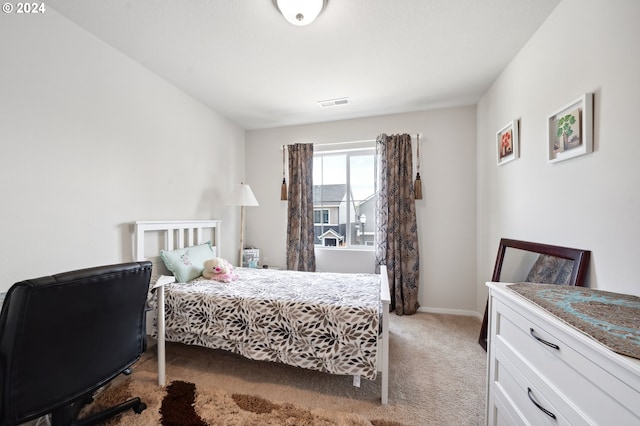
[437,377]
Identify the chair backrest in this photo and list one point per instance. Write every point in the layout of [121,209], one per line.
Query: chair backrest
[64,336]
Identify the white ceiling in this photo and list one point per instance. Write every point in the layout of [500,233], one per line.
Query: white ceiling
[244,60]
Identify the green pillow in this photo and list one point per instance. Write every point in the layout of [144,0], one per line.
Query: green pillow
[188,263]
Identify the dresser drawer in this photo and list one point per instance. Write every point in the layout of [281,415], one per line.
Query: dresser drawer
[529,402]
[501,412]
[569,376]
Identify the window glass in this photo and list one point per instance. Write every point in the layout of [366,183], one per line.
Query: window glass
[344,198]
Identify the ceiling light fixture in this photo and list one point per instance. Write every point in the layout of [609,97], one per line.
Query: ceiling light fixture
[300,12]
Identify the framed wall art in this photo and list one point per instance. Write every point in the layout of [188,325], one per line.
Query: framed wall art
[570,130]
[507,142]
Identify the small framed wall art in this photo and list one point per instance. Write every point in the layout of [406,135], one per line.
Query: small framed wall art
[570,130]
[507,142]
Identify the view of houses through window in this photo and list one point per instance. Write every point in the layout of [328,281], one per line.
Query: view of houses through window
[344,198]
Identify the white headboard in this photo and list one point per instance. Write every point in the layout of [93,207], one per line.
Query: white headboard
[169,235]
[175,234]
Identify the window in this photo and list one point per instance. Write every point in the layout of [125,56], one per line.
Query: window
[344,198]
[320,216]
[330,242]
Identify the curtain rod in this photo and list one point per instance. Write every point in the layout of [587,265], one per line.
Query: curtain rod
[352,142]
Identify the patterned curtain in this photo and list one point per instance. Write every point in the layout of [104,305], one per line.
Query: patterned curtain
[396,226]
[300,249]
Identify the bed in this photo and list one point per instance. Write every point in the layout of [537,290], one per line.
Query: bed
[329,322]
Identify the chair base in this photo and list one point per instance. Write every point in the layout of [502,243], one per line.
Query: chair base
[66,416]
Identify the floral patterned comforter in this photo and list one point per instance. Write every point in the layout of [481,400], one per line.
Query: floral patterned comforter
[320,321]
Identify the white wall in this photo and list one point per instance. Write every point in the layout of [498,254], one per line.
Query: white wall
[446,215]
[92,141]
[590,202]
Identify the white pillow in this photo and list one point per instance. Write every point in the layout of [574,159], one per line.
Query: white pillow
[188,263]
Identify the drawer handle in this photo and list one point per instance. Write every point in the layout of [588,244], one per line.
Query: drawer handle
[544,410]
[551,345]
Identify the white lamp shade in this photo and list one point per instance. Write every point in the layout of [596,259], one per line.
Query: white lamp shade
[242,196]
[300,12]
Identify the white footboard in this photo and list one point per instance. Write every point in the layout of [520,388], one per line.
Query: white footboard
[383,340]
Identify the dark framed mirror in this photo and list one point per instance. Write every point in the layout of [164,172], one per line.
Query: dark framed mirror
[524,261]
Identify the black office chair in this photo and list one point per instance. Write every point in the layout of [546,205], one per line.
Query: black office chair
[65,336]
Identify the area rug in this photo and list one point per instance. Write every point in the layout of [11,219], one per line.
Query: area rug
[182,403]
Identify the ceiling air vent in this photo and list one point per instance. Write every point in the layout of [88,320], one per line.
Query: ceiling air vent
[334,102]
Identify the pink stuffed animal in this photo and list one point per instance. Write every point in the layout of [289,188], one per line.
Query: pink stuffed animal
[219,269]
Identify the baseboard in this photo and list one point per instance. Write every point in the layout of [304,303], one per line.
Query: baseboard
[461,312]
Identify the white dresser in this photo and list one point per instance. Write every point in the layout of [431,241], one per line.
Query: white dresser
[542,371]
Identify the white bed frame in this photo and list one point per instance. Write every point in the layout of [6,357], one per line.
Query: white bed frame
[179,234]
